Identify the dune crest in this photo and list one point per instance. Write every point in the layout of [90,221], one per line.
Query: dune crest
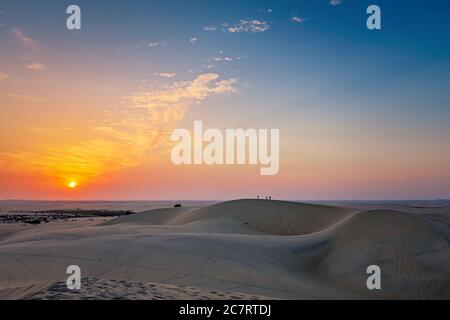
[268,216]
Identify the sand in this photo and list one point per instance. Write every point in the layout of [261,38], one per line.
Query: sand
[243,249]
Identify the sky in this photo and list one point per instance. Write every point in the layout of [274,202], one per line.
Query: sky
[362,114]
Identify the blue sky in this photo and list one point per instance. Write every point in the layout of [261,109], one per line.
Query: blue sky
[332,48]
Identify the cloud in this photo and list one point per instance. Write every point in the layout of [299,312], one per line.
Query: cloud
[209,28]
[135,132]
[157,44]
[37,66]
[3,76]
[297,19]
[223,59]
[268,10]
[127,47]
[193,40]
[183,93]
[251,26]
[165,75]
[122,49]
[23,38]
[335,2]
[78,161]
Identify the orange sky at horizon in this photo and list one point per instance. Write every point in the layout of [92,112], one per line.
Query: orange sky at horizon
[126,155]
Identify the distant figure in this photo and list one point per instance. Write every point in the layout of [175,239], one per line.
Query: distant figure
[267,198]
[257,197]
[270,197]
[177,205]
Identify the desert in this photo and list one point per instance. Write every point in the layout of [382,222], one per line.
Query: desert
[241,249]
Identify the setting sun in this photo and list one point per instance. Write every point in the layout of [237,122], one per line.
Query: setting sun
[72,184]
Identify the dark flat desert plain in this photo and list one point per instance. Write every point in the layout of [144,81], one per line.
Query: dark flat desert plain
[243,249]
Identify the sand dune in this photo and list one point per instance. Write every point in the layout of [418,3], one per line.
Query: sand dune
[275,217]
[413,256]
[244,248]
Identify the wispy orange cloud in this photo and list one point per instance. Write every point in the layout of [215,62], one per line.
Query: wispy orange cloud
[139,132]
[35,66]
[23,38]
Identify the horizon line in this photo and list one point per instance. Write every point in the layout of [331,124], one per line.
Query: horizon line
[225,200]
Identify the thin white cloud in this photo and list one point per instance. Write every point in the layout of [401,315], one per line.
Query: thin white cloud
[157,44]
[335,2]
[268,10]
[209,28]
[251,26]
[35,66]
[127,47]
[122,49]
[297,19]
[193,40]
[165,74]
[223,59]
[3,76]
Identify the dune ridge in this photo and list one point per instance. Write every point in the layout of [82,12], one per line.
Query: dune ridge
[268,216]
